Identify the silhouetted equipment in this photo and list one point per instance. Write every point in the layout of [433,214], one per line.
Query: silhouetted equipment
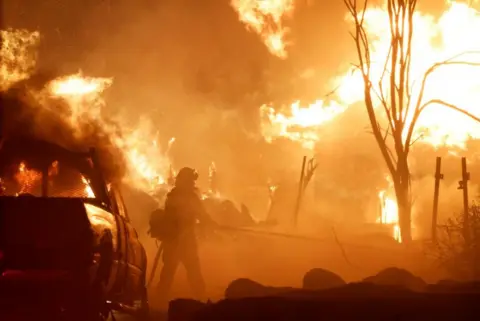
[155,264]
[463,185]
[438,177]
[305,177]
[162,226]
[224,212]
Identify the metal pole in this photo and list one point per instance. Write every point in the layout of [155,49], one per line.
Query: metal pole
[300,192]
[438,177]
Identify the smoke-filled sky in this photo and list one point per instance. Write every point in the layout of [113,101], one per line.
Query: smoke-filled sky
[193,67]
[171,49]
[169,55]
[198,73]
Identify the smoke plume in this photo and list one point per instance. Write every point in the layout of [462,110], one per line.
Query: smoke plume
[27,111]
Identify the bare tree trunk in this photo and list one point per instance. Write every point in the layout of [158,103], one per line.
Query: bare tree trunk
[405,216]
[404,199]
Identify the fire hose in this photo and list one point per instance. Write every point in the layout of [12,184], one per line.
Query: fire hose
[233,229]
[271,233]
[155,263]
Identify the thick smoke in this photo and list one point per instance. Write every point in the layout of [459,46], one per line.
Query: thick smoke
[187,66]
[27,111]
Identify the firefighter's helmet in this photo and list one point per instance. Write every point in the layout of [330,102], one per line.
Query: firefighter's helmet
[186,175]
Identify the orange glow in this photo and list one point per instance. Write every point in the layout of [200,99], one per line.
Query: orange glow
[298,123]
[27,178]
[266,19]
[88,188]
[102,220]
[389,214]
[53,169]
[212,177]
[147,165]
[18,56]
[434,40]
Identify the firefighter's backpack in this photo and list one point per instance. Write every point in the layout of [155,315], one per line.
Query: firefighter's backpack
[163,225]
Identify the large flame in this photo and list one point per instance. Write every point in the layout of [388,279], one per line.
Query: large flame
[18,55]
[88,188]
[434,40]
[389,211]
[265,17]
[299,123]
[28,179]
[147,165]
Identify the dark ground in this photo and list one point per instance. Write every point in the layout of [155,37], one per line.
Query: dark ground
[351,302]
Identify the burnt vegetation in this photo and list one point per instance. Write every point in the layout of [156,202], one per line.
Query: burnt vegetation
[458,255]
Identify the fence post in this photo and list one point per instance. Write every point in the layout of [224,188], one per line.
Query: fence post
[438,177]
[463,185]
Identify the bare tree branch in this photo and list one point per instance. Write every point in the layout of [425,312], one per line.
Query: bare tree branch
[443,103]
[416,139]
[418,108]
[363,53]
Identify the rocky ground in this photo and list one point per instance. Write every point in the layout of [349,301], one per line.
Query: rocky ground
[392,294]
[283,262]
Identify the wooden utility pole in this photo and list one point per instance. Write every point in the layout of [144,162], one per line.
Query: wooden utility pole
[438,177]
[463,185]
[299,194]
[305,176]
[311,167]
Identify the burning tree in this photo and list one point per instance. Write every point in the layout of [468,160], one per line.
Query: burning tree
[390,97]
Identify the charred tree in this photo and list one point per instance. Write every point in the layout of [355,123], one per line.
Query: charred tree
[392,107]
